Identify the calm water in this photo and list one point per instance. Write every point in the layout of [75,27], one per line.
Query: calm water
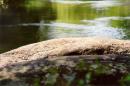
[27,21]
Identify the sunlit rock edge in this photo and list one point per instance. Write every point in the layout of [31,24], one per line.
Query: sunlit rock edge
[23,59]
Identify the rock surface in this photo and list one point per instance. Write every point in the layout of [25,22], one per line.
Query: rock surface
[65,46]
[37,52]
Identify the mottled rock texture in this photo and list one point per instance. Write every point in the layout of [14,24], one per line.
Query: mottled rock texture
[59,47]
[65,46]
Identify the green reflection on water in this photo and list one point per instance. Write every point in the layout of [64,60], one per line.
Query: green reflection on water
[71,13]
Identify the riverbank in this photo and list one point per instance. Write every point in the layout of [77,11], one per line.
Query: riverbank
[33,58]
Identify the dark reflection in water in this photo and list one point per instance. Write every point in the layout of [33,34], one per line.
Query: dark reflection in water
[12,33]
[11,37]
[27,21]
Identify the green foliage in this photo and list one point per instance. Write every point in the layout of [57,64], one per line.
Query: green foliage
[53,70]
[81,65]
[69,78]
[81,82]
[36,82]
[51,79]
[83,74]
[125,80]
[88,77]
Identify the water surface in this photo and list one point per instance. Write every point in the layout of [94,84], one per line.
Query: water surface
[27,21]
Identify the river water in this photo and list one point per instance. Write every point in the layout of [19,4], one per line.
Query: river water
[27,21]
